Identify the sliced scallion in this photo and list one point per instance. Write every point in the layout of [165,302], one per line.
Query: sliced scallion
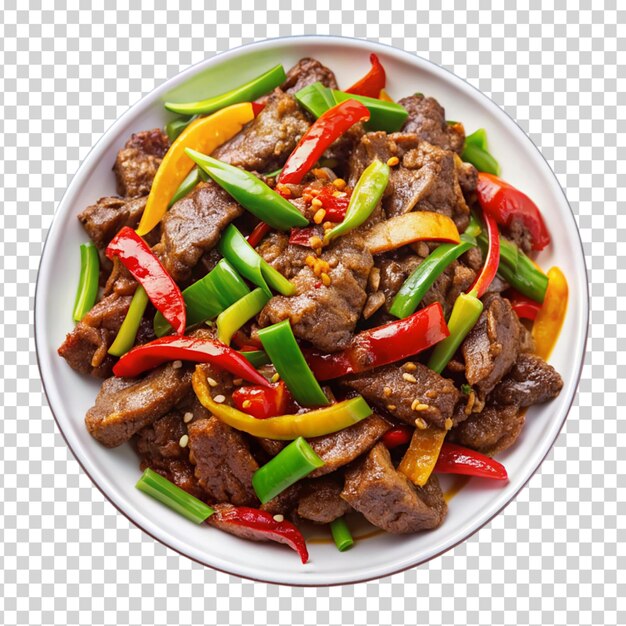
[341,534]
[87,291]
[125,337]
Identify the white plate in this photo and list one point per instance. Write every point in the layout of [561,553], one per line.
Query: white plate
[115,471]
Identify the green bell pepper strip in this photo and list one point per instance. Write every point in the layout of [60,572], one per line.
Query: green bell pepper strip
[237,314]
[289,466]
[125,338]
[191,180]
[251,192]
[281,346]
[173,496]
[208,297]
[482,160]
[88,282]
[244,258]
[366,195]
[387,116]
[258,358]
[316,98]
[341,534]
[478,138]
[176,126]
[247,92]
[465,313]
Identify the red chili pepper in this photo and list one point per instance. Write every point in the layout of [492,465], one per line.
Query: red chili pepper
[335,206]
[371,84]
[507,204]
[173,348]
[257,107]
[524,307]
[263,402]
[398,436]
[490,268]
[383,345]
[244,343]
[302,236]
[328,127]
[140,261]
[258,233]
[259,525]
[454,459]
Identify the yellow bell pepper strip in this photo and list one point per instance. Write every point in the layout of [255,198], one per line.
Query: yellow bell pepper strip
[421,456]
[87,291]
[408,228]
[205,135]
[284,427]
[230,320]
[247,92]
[125,338]
[551,315]
[384,96]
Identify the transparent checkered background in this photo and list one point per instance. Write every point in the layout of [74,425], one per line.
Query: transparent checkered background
[553,556]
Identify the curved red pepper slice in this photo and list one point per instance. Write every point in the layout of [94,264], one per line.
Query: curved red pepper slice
[263,402]
[524,307]
[506,204]
[173,348]
[398,436]
[258,233]
[371,84]
[490,268]
[140,261]
[454,459]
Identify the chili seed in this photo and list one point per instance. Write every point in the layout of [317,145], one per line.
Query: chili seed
[393,161]
[391,407]
[279,518]
[212,382]
[315,242]
[310,260]
[387,392]
[183,441]
[409,378]
[187,417]
[246,404]
[448,424]
[219,398]
[421,423]
[410,366]
[325,279]
[316,202]
[319,216]
[340,183]
[275,378]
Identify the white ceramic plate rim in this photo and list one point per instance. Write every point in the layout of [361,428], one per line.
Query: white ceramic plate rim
[149,525]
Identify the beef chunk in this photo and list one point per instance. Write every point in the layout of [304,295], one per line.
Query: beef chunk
[306,72]
[265,143]
[120,281]
[519,234]
[138,161]
[104,219]
[454,280]
[396,389]
[193,226]
[427,119]
[288,259]
[492,346]
[224,464]
[125,405]
[321,500]
[85,348]
[326,315]
[285,502]
[530,381]
[388,499]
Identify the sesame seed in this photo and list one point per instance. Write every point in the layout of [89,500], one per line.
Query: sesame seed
[246,404]
[315,242]
[237,381]
[315,192]
[316,202]
[275,378]
[219,398]
[448,424]
[177,364]
[187,417]
[387,392]
[340,183]
[339,194]
[327,225]
[394,160]
[421,423]
[414,404]
[391,407]
[212,382]
[409,378]
[410,367]
[420,406]
[319,216]
[310,260]
[325,279]
[307,197]
[183,441]
[279,518]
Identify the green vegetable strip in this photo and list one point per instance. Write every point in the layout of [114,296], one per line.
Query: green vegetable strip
[274,174]
[366,195]
[236,315]
[258,358]
[478,138]
[316,99]
[176,126]
[190,182]
[87,291]
[341,534]
[234,247]
[247,92]
[251,192]
[387,116]
[174,497]
[125,338]
[281,347]
[208,297]
[465,314]
[482,160]
[290,465]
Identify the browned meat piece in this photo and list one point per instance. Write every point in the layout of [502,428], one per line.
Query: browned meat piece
[427,119]
[193,226]
[265,143]
[530,381]
[120,280]
[85,347]
[125,405]
[285,502]
[103,220]
[455,279]
[468,178]
[527,341]
[271,446]
[306,72]
[388,499]
[326,315]
[517,232]
[340,448]
[493,430]
[321,500]
[288,259]
[492,346]
[408,393]
[224,464]
[138,161]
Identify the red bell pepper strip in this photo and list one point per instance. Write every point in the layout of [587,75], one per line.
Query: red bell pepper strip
[334,205]
[454,459]
[383,345]
[398,436]
[490,268]
[258,525]
[140,261]
[328,127]
[173,348]
[524,307]
[302,236]
[507,204]
[258,233]
[372,83]
[263,402]
[257,107]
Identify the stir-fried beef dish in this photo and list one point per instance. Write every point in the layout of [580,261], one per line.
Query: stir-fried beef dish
[305,304]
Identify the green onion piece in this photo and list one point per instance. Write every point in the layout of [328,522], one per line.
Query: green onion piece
[273,174]
[236,315]
[465,313]
[482,160]
[341,534]
[125,338]
[176,126]
[190,182]
[208,297]
[316,98]
[478,138]
[387,116]
[87,291]
[282,348]
[290,465]
[258,358]
[247,92]
[169,494]
[234,247]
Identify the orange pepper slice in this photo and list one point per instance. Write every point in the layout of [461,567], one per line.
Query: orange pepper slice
[551,315]
[203,135]
[422,454]
[383,95]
